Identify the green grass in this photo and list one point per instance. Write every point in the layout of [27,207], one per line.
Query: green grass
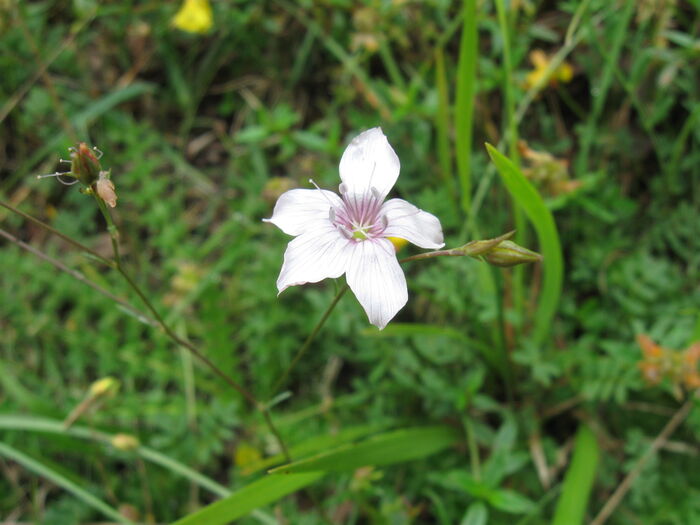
[493,393]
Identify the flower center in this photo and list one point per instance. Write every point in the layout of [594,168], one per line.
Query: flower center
[359,216]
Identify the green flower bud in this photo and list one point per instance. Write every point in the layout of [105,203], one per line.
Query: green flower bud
[507,254]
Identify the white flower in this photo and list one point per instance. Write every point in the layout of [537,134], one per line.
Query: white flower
[349,234]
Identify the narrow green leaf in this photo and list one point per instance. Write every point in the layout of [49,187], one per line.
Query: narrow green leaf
[322,442]
[464,105]
[249,498]
[578,481]
[52,426]
[541,218]
[62,481]
[112,99]
[442,119]
[385,449]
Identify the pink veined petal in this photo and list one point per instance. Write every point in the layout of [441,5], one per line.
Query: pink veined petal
[406,221]
[314,256]
[369,162]
[298,211]
[377,280]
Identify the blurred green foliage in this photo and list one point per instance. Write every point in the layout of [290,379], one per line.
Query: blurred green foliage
[203,132]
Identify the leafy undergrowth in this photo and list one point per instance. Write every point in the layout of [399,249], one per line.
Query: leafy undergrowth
[491,397]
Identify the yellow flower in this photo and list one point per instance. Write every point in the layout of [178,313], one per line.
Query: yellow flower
[195,16]
[540,62]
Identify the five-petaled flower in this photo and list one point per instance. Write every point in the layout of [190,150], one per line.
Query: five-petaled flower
[349,234]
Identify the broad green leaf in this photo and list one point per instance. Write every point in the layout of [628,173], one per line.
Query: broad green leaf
[578,480]
[477,514]
[510,501]
[384,449]
[541,218]
[243,501]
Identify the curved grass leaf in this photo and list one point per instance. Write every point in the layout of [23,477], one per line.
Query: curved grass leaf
[578,480]
[59,479]
[541,218]
[385,449]
[243,501]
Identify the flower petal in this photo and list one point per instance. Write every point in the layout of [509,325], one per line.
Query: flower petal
[406,221]
[314,256]
[377,280]
[298,211]
[369,162]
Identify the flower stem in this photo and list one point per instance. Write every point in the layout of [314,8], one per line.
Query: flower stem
[57,233]
[114,235]
[117,265]
[302,350]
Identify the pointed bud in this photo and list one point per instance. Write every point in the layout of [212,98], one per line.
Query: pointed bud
[125,442]
[85,166]
[105,189]
[107,386]
[507,254]
[476,248]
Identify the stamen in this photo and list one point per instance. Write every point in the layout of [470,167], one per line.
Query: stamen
[322,193]
[331,214]
[343,188]
[346,233]
[99,153]
[58,176]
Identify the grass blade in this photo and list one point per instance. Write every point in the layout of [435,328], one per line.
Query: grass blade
[466,88]
[59,479]
[442,120]
[526,196]
[249,498]
[578,480]
[385,449]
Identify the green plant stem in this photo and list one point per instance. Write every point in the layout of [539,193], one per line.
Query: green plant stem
[474,460]
[77,276]
[57,233]
[307,343]
[661,439]
[114,235]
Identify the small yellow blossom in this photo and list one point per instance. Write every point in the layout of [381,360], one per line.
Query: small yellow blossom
[540,61]
[125,442]
[104,386]
[247,458]
[195,16]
